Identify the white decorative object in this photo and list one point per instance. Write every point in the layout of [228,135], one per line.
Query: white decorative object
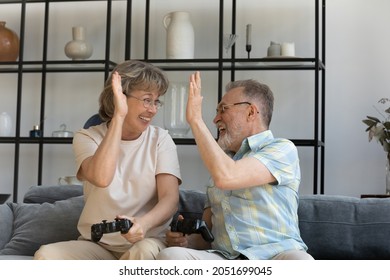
[180,35]
[249,34]
[288,49]
[62,132]
[228,41]
[274,49]
[175,103]
[69,180]
[78,48]
[5,124]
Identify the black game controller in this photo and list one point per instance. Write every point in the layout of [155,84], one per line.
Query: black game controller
[97,230]
[188,226]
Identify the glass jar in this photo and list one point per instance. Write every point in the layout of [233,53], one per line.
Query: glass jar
[175,103]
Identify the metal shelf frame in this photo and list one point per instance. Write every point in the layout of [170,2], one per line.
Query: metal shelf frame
[220,65]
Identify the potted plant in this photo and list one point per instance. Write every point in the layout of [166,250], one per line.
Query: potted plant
[380,130]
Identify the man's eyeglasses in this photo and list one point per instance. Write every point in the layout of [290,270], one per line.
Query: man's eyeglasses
[222,108]
[148,103]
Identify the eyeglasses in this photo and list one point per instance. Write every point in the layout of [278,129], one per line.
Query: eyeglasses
[148,103]
[221,109]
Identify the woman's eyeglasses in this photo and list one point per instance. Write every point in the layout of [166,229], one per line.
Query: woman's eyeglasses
[148,103]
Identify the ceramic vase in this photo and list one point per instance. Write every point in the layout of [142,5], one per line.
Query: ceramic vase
[274,49]
[78,48]
[9,43]
[288,49]
[180,37]
[175,103]
[5,125]
[388,174]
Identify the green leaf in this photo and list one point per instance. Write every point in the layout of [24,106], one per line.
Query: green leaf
[369,122]
[386,125]
[374,119]
[380,130]
[386,147]
[383,100]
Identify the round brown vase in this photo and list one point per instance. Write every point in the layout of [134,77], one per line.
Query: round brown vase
[9,43]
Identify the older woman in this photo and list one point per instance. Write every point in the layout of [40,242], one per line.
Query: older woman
[130,170]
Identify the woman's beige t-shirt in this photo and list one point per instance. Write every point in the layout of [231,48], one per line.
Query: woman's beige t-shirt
[132,191]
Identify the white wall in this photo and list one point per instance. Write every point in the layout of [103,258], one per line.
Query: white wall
[357,77]
[356,60]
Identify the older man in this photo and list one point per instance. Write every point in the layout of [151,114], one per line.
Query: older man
[252,200]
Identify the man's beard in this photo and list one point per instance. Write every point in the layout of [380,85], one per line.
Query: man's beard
[225,142]
[228,140]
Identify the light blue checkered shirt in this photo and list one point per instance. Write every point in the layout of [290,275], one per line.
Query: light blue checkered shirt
[259,222]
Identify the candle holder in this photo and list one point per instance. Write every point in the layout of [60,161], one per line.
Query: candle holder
[248,50]
[248,45]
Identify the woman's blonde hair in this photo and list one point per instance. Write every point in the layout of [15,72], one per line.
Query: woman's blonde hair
[135,75]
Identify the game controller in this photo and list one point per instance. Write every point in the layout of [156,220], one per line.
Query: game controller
[188,226]
[97,230]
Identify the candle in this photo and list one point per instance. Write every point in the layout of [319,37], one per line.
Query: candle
[288,49]
[248,34]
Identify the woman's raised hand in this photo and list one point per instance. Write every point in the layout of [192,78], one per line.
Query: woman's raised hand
[120,99]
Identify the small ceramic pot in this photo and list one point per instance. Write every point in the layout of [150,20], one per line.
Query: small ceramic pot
[78,48]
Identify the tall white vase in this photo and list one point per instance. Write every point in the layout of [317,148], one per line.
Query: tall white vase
[78,48]
[5,124]
[180,35]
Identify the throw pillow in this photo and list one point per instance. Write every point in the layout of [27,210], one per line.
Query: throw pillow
[6,218]
[191,203]
[41,194]
[38,224]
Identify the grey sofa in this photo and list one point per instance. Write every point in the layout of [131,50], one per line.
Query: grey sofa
[333,227]
[50,214]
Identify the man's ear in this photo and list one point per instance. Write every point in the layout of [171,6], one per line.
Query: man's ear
[253,112]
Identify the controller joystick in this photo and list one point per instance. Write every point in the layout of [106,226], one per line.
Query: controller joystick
[97,230]
[188,226]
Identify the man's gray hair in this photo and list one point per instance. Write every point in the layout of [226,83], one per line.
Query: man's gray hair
[258,93]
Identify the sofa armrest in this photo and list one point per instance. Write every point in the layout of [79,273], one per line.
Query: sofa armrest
[340,227]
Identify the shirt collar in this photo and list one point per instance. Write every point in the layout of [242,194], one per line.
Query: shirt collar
[254,142]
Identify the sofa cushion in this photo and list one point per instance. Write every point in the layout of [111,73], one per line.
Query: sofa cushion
[191,203]
[339,227]
[41,194]
[6,218]
[38,224]
[16,257]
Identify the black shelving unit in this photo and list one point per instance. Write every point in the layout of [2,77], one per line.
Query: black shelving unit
[43,67]
[219,64]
